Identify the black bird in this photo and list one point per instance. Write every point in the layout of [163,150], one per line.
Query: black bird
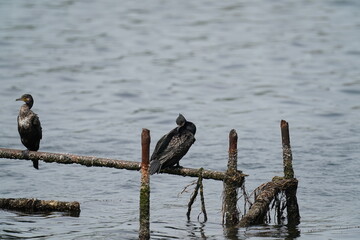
[173,146]
[29,126]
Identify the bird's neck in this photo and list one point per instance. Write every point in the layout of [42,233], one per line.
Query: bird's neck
[29,104]
[24,110]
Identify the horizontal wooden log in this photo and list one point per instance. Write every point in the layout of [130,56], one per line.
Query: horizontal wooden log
[258,210]
[88,161]
[91,161]
[191,172]
[35,205]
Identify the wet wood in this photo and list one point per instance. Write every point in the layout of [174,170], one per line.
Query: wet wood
[288,184]
[88,161]
[105,162]
[191,172]
[33,205]
[198,188]
[144,230]
[230,212]
[202,200]
[287,154]
[292,206]
[232,179]
[257,213]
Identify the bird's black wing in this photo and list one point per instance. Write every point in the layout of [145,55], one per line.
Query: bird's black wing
[18,124]
[37,126]
[178,146]
[162,144]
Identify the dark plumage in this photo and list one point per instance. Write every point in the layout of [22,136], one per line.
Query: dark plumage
[29,126]
[173,146]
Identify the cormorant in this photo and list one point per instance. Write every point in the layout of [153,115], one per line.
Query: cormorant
[29,126]
[173,146]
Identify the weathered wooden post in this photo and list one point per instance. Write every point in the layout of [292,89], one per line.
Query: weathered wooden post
[293,214]
[144,231]
[287,154]
[230,211]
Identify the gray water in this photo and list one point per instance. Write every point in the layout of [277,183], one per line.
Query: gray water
[100,71]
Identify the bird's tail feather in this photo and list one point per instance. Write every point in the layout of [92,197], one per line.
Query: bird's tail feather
[154,167]
[36,164]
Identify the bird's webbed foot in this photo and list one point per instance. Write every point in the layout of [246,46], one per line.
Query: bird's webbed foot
[178,166]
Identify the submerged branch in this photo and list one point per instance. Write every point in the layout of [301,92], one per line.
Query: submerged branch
[192,200]
[202,199]
[199,186]
[268,191]
[34,205]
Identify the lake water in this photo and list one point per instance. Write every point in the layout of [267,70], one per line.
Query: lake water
[100,71]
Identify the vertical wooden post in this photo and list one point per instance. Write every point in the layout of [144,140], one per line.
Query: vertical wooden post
[293,214]
[287,155]
[144,231]
[230,211]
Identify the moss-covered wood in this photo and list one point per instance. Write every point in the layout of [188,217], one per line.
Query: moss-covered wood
[292,206]
[192,172]
[144,230]
[105,162]
[89,161]
[290,193]
[231,184]
[33,205]
[267,192]
[287,154]
[198,188]
[232,178]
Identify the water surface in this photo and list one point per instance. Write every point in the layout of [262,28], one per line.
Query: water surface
[100,71]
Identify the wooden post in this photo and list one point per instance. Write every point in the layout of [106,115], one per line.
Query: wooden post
[144,231]
[287,155]
[230,211]
[293,214]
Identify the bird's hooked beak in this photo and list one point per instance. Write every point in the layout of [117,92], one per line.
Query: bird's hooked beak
[180,126]
[178,129]
[20,99]
[180,121]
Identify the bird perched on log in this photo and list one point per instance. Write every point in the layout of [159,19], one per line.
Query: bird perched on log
[29,126]
[173,146]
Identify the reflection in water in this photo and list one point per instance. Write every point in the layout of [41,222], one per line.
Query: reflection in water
[195,231]
[293,231]
[233,233]
[284,232]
